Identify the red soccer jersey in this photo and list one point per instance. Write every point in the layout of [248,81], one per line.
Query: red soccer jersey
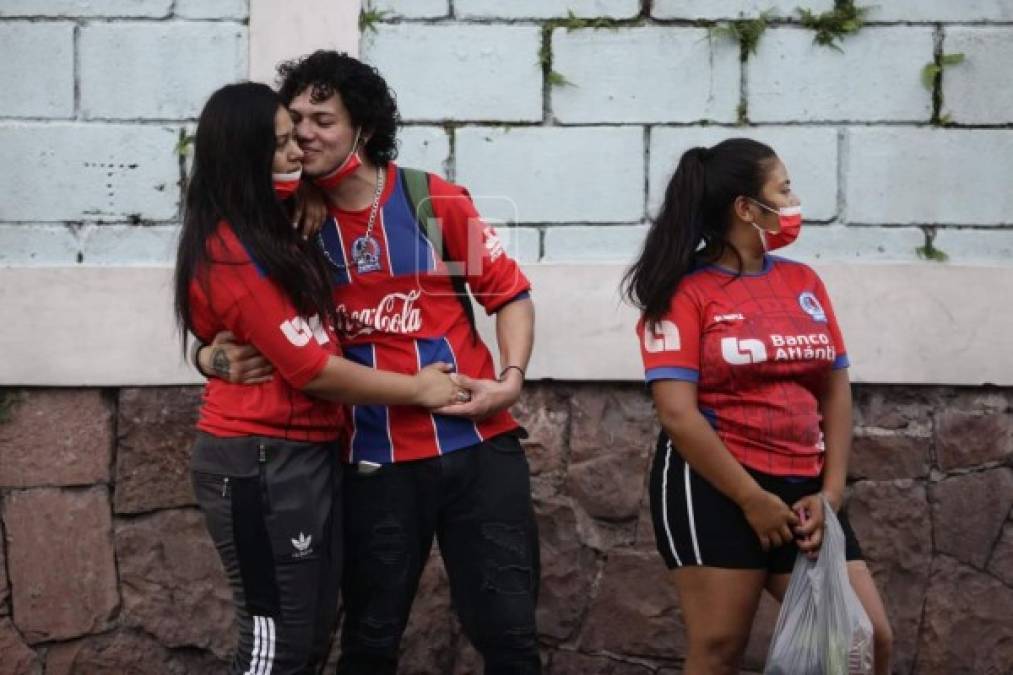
[238,297]
[760,348]
[398,312]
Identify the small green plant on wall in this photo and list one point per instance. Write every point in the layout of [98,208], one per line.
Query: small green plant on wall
[934,69]
[369,17]
[929,250]
[832,27]
[747,32]
[184,144]
[932,79]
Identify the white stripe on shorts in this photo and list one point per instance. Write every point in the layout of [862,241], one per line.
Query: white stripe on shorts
[692,519]
[664,504]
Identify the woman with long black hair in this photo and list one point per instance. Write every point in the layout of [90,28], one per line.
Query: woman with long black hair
[748,372]
[265,463]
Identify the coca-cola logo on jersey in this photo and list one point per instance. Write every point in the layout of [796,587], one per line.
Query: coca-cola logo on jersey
[395,313]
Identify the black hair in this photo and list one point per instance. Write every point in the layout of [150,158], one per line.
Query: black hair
[231,182]
[361,88]
[694,219]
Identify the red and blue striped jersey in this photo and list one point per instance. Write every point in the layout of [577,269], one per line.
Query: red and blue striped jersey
[398,311]
[760,347]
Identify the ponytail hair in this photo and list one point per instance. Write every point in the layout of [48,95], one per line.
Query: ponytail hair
[694,218]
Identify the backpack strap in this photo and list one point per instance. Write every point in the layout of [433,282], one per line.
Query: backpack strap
[416,185]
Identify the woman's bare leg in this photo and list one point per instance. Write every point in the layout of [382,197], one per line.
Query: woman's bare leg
[718,606]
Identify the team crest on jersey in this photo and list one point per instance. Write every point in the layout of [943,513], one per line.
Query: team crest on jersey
[811,306]
[366,254]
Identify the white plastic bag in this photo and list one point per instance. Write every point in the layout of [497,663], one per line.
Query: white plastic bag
[822,628]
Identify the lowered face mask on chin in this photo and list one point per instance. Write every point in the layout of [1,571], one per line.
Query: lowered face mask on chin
[344,170]
[789,219]
[285,184]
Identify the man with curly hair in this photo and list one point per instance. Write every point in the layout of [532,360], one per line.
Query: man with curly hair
[405,248]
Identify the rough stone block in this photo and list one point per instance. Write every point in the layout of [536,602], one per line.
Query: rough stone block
[1001,564]
[966,627]
[18,658]
[56,437]
[568,570]
[575,663]
[5,589]
[128,653]
[156,430]
[636,609]
[891,521]
[886,456]
[968,513]
[965,439]
[60,561]
[174,587]
[545,412]
[612,436]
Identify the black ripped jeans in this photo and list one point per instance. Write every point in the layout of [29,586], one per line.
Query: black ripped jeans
[477,502]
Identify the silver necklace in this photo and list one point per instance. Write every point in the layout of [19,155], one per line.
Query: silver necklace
[365,249]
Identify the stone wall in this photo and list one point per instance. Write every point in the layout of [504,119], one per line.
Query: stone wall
[105,566]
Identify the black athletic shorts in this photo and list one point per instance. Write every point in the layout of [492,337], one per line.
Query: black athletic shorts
[695,524]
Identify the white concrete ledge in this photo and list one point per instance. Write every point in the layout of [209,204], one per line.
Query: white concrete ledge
[919,324]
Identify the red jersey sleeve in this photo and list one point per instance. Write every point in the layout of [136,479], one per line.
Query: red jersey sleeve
[257,312]
[841,359]
[494,278]
[670,347]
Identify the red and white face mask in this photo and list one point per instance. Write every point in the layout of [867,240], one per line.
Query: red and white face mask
[345,169]
[285,184]
[789,219]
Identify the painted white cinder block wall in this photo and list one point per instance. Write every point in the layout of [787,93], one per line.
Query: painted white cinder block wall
[586,164]
[97,94]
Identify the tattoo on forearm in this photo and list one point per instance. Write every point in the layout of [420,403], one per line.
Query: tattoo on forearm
[220,363]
